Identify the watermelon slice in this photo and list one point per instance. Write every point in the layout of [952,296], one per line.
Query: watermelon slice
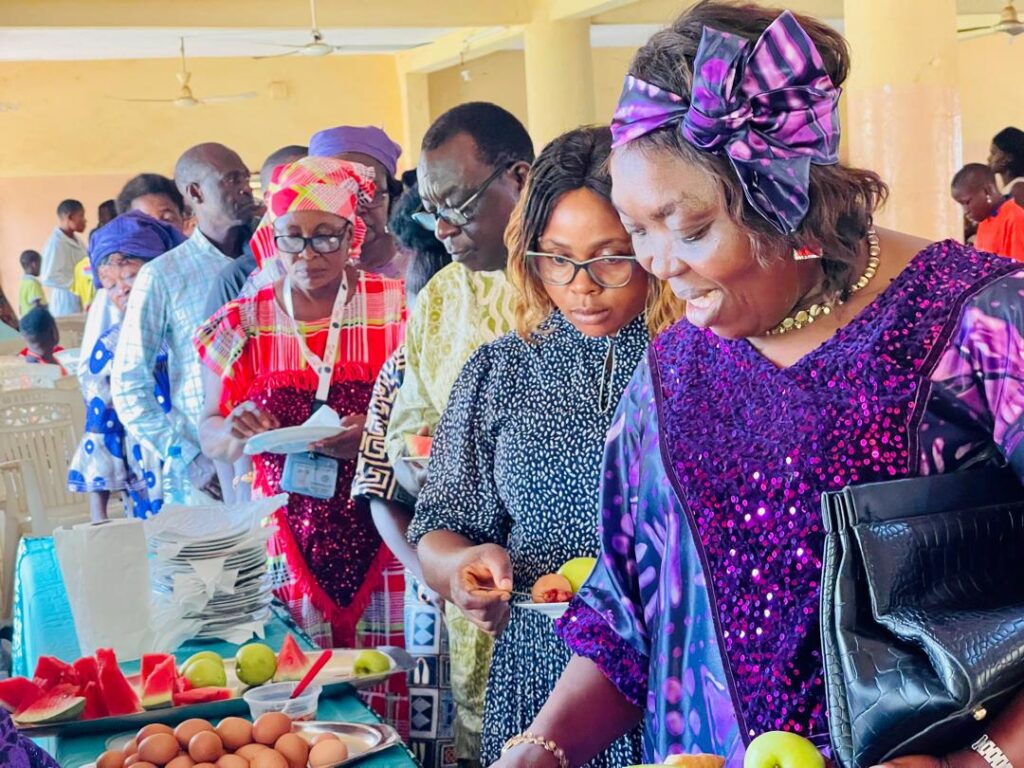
[87,670]
[151,661]
[292,663]
[202,696]
[18,692]
[159,685]
[118,694]
[51,672]
[94,704]
[181,684]
[61,703]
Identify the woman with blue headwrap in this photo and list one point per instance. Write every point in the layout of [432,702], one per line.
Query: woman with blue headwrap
[107,461]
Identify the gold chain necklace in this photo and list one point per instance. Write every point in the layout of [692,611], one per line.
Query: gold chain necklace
[805,317]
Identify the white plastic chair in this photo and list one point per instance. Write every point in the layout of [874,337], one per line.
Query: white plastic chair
[29,376]
[72,329]
[19,498]
[41,428]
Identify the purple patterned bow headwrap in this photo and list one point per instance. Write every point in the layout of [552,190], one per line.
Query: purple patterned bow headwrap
[770,106]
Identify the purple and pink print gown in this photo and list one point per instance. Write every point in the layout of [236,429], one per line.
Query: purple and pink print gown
[704,606]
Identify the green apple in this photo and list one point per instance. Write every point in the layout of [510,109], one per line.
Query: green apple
[371,663]
[781,749]
[205,673]
[255,664]
[203,655]
[577,571]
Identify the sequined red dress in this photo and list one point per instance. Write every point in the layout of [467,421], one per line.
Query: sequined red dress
[329,559]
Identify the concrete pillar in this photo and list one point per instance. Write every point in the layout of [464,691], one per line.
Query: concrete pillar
[903,108]
[414,90]
[559,78]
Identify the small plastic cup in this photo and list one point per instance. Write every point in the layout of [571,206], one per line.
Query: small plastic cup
[274,698]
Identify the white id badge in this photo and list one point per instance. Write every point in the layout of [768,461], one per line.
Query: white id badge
[311,474]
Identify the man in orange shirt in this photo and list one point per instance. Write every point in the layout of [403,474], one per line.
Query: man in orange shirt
[1000,221]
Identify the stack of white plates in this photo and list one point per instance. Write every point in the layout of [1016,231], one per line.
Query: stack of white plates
[221,581]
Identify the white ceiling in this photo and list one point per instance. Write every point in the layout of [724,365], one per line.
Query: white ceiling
[78,44]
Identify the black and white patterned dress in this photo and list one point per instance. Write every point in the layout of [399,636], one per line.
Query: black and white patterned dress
[516,461]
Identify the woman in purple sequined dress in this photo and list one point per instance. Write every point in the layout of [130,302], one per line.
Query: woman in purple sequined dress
[817,352]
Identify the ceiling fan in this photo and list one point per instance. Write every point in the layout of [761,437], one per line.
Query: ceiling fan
[185,97]
[317,46]
[1009,23]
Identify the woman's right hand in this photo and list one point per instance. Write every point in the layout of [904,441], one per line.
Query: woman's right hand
[246,419]
[481,587]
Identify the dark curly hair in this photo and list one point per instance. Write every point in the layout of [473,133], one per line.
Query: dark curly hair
[1011,142]
[843,200]
[429,254]
[148,184]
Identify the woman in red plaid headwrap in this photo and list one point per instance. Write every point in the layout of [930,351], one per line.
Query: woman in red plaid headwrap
[265,356]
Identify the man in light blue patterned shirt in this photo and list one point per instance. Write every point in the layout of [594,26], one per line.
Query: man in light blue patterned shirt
[167,304]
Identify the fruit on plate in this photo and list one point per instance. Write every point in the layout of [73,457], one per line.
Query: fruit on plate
[95,706]
[158,686]
[51,672]
[577,571]
[120,697]
[255,664]
[781,749]
[552,588]
[203,655]
[18,692]
[150,661]
[201,696]
[418,446]
[292,663]
[204,673]
[61,703]
[371,662]
[87,670]
[696,761]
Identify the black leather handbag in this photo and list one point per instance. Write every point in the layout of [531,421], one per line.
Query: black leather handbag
[922,617]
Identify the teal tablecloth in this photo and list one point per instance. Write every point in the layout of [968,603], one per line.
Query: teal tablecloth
[43,626]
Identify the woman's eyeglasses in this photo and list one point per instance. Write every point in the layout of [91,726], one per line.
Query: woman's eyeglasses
[460,216]
[295,244]
[606,271]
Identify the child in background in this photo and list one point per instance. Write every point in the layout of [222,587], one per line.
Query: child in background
[1000,220]
[39,330]
[61,255]
[30,290]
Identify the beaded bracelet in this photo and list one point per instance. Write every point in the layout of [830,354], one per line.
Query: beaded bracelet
[537,741]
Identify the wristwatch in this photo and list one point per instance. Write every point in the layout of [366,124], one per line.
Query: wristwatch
[990,752]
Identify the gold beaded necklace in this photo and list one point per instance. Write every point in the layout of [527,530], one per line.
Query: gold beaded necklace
[805,317]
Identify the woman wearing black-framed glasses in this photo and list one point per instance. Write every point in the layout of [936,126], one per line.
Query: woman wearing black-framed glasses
[514,469]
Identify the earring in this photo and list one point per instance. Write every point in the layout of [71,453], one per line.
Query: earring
[805,254]
[988,199]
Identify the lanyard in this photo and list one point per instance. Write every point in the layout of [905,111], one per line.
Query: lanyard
[324,366]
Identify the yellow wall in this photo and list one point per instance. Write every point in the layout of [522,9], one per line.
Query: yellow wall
[69,138]
[991,91]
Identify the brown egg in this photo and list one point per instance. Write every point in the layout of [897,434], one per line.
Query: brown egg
[151,729]
[235,732]
[132,760]
[268,758]
[249,751]
[181,761]
[160,748]
[131,747]
[205,765]
[189,728]
[144,764]
[327,752]
[271,726]
[325,737]
[294,749]
[232,761]
[112,758]
[206,747]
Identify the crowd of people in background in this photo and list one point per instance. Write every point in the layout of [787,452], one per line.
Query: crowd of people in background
[522,310]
